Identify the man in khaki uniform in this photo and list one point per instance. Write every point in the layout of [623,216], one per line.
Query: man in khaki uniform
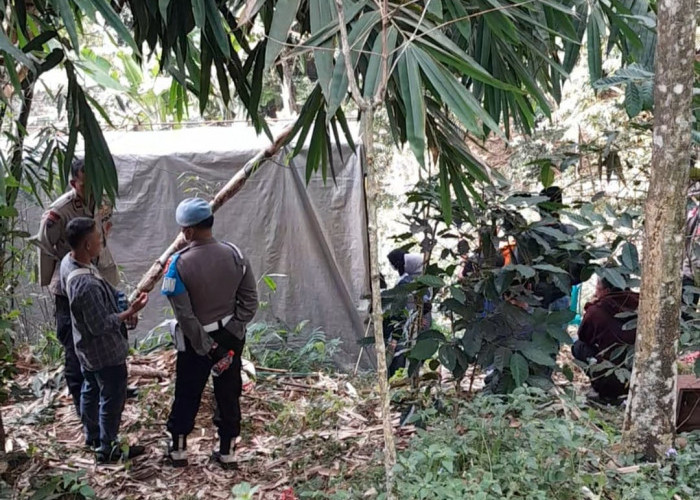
[53,246]
[212,289]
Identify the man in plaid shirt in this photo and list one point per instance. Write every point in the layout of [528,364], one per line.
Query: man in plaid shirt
[100,337]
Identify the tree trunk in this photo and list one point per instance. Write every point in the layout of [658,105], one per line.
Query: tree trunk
[377,316]
[289,95]
[2,436]
[650,416]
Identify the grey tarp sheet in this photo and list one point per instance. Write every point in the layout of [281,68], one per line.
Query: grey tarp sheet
[315,235]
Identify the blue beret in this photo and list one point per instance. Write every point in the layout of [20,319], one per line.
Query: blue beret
[192,211]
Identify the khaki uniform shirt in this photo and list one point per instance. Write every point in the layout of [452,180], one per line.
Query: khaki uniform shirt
[206,282]
[53,246]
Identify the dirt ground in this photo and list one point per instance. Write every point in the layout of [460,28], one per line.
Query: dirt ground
[300,431]
[295,429]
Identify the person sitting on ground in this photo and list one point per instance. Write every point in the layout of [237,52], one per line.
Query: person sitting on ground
[100,339]
[601,333]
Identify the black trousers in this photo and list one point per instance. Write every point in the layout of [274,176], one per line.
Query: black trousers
[64,332]
[607,386]
[582,351]
[192,373]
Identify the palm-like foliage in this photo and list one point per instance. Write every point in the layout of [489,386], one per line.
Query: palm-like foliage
[456,67]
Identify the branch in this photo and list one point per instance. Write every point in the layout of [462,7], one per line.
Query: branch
[381,88]
[345,47]
[233,186]
[405,45]
[416,36]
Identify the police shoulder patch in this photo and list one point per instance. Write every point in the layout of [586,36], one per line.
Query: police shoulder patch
[172,284]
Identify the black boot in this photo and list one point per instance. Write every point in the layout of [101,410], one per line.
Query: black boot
[177,450]
[225,455]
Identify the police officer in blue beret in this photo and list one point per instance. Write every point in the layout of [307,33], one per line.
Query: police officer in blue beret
[212,290]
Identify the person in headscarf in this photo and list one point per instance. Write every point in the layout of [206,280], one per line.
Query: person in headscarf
[409,267]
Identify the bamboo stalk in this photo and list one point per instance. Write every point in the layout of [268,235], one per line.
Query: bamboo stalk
[233,186]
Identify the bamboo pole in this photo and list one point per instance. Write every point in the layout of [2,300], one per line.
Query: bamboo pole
[233,186]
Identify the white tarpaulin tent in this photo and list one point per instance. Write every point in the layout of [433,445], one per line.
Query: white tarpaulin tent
[314,235]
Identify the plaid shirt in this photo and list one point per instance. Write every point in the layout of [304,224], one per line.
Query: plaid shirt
[100,337]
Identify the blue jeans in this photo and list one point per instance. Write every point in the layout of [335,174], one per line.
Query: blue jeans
[101,404]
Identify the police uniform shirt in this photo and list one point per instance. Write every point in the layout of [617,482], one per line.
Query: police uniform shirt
[206,282]
[53,246]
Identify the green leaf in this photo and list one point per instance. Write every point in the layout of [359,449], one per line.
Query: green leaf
[322,17]
[614,277]
[559,318]
[424,349]
[434,8]
[458,294]
[577,218]
[373,75]
[340,117]
[472,341]
[12,72]
[519,368]
[568,373]
[546,175]
[458,99]
[163,8]
[630,257]
[8,212]
[271,284]
[628,74]
[131,70]
[103,78]
[100,110]
[501,358]
[537,356]
[316,146]
[526,272]
[9,48]
[633,100]
[696,368]
[431,334]
[414,104]
[431,281]
[457,11]
[86,491]
[216,23]
[445,199]
[553,232]
[282,20]
[448,356]
[549,268]
[595,51]
[205,77]
[116,23]
[200,14]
